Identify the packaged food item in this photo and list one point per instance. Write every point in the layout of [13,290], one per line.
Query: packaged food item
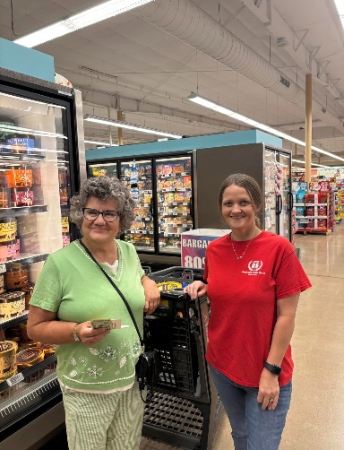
[22,197]
[12,304]
[11,250]
[7,359]
[16,276]
[322,223]
[177,168]
[3,253]
[65,224]
[3,197]
[63,196]
[322,210]
[166,169]
[2,283]
[19,176]
[8,229]
[310,211]
[49,350]
[21,143]
[29,357]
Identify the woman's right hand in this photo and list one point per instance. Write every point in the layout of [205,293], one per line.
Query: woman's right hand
[90,336]
[196,289]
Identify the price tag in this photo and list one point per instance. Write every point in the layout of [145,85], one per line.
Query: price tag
[15,379]
[144,232]
[2,268]
[145,205]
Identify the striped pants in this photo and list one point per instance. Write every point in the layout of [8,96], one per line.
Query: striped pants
[103,421]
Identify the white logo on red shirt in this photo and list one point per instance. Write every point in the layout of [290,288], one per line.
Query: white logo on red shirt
[254,268]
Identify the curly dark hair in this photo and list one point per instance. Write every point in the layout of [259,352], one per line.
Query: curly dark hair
[103,188]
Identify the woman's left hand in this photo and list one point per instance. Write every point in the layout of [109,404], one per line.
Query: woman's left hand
[269,389]
[152,294]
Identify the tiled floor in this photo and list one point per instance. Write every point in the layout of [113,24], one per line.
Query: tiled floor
[316,417]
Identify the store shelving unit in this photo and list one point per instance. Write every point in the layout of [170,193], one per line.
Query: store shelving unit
[39,171]
[318,213]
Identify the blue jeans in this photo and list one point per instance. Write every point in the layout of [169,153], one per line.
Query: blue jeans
[252,428]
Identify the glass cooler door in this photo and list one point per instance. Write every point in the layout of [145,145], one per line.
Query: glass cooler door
[137,177]
[174,199]
[284,185]
[102,169]
[35,187]
[271,191]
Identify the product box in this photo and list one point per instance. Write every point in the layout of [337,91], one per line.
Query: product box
[299,190]
[194,244]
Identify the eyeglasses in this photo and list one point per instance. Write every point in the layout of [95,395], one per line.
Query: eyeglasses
[93,214]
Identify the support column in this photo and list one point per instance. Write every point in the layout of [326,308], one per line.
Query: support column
[110,135]
[120,130]
[308,127]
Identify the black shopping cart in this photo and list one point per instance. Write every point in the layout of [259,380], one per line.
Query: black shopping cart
[185,406]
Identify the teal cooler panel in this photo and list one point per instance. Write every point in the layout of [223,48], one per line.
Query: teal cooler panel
[180,145]
[26,61]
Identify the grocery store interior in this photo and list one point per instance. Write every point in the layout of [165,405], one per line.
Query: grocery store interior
[171,96]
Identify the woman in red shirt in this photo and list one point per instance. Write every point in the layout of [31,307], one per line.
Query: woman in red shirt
[253,280]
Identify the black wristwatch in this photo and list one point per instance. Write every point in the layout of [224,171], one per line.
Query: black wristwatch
[276,370]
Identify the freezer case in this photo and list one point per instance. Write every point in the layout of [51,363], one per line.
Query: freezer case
[174,201]
[182,193]
[40,169]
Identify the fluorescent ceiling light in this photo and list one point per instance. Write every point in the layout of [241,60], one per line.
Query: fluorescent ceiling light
[104,144]
[129,126]
[15,97]
[228,112]
[313,164]
[84,19]
[21,130]
[340,9]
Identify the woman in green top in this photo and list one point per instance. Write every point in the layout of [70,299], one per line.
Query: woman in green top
[96,367]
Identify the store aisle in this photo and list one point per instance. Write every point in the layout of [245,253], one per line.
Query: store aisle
[316,417]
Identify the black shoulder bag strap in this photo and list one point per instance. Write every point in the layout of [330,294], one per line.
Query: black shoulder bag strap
[118,291]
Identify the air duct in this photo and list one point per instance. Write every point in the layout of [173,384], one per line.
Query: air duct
[189,23]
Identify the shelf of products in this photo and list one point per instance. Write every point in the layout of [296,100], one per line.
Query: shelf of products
[314,209]
[174,187]
[35,187]
[137,177]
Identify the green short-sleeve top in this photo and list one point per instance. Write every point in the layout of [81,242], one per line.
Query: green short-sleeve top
[74,287]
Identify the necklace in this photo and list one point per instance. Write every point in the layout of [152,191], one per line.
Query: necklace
[247,246]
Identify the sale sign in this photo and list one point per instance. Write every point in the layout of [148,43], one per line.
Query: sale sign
[194,244]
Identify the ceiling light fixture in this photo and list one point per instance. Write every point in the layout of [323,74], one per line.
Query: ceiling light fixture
[129,126]
[104,144]
[232,114]
[82,20]
[340,8]
[313,164]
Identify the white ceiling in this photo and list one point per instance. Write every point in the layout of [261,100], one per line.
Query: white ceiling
[134,63]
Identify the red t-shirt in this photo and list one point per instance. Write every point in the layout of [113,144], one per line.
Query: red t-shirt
[243,297]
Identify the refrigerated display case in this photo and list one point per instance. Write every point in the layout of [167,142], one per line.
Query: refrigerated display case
[174,201]
[183,191]
[42,163]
